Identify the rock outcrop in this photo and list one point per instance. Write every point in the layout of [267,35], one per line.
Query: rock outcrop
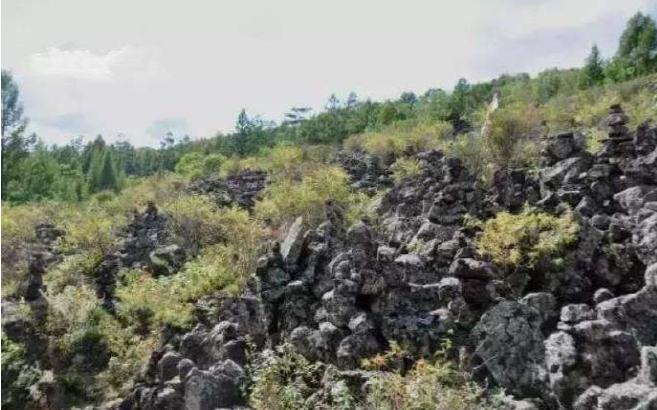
[581,335]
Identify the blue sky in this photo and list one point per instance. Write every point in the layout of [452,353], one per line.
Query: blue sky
[143,68]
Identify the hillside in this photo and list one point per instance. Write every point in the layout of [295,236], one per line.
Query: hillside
[494,247]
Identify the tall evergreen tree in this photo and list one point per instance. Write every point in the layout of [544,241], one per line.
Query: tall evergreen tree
[593,71]
[15,145]
[637,49]
[108,178]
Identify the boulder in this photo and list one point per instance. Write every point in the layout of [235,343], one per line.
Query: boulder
[509,342]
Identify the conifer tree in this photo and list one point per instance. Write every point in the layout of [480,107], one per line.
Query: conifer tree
[593,71]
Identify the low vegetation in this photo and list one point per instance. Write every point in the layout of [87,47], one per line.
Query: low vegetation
[285,380]
[524,239]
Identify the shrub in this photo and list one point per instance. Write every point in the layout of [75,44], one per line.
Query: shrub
[195,220]
[401,138]
[285,200]
[522,240]
[212,164]
[429,384]
[472,152]
[159,189]
[147,303]
[91,233]
[18,376]
[284,161]
[235,165]
[284,380]
[190,165]
[404,168]
[512,128]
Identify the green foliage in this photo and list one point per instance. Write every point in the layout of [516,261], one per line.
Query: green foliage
[403,138]
[404,168]
[284,381]
[196,221]
[90,231]
[190,165]
[287,199]
[593,72]
[235,165]
[524,239]
[637,48]
[194,165]
[512,129]
[428,385]
[17,375]
[147,303]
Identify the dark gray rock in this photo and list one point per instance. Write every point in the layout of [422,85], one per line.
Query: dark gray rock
[509,342]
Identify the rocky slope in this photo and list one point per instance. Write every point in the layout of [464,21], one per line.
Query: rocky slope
[581,337]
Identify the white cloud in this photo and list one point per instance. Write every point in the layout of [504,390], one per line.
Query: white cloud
[125,62]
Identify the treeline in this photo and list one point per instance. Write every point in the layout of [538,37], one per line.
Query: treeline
[33,171]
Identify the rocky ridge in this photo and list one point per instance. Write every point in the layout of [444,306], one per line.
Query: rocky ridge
[581,337]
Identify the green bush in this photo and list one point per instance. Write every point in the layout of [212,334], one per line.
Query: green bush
[402,138]
[195,221]
[524,239]
[285,199]
[512,130]
[284,381]
[405,168]
[147,303]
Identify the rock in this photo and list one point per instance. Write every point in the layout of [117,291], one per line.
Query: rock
[602,295]
[572,314]
[385,253]
[631,199]
[216,388]
[167,260]
[184,367]
[648,372]
[592,352]
[167,367]
[471,269]
[509,342]
[562,145]
[293,243]
[644,238]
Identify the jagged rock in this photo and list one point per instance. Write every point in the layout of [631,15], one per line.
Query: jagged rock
[592,352]
[215,388]
[471,269]
[242,189]
[509,342]
[167,367]
[292,245]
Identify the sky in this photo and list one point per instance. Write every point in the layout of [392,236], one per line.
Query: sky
[137,69]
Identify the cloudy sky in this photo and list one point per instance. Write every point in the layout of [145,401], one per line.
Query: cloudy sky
[141,68]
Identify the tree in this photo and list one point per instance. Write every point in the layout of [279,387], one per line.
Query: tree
[408,97]
[460,103]
[593,71]
[108,176]
[12,108]
[15,146]
[637,48]
[333,104]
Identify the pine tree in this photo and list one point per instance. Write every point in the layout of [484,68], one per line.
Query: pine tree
[637,49]
[108,178]
[593,71]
